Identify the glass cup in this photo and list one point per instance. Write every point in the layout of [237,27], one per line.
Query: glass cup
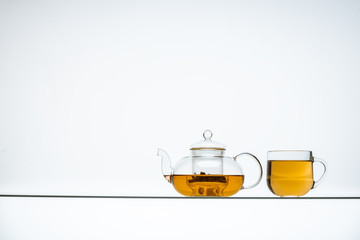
[290,172]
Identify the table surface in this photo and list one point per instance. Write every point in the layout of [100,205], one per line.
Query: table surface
[43,217]
[166,197]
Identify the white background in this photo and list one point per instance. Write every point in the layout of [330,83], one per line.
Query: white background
[90,89]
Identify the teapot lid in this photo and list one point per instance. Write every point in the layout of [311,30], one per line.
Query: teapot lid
[207,143]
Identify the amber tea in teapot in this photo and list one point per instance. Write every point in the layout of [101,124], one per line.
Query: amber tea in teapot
[207,172]
[208,185]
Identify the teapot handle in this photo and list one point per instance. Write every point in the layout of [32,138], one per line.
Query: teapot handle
[323,162]
[260,167]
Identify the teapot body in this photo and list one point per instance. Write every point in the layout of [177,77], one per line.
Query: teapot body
[207,171]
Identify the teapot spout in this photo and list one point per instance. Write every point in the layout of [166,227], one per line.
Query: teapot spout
[166,167]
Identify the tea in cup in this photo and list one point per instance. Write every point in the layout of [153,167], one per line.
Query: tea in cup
[290,172]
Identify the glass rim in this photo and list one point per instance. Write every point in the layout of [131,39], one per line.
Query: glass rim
[289,151]
[290,155]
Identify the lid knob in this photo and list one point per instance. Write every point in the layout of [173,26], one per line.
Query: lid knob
[207,134]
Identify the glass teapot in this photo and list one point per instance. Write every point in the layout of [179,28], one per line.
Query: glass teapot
[207,172]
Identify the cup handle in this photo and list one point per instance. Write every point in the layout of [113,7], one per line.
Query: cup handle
[323,162]
[261,171]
